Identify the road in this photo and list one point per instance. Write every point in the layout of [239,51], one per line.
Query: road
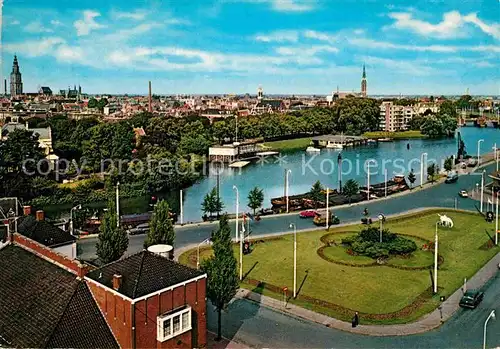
[262,327]
[440,195]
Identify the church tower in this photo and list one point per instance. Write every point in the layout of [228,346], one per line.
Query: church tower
[260,93]
[16,82]
[363,83]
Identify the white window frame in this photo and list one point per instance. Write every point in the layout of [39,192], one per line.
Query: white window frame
[161,320]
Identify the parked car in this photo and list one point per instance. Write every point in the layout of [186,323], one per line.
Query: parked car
[471,299]
[140,229]
[463,194]
[308,214]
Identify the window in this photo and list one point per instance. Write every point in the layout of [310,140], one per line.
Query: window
[173,324]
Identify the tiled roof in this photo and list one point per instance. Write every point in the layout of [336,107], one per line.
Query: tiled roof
[144,273]
[39,301]
[43,232]
[82,324]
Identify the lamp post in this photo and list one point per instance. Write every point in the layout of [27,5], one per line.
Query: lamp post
[381,219]
[422,168]
[491,316]
[496,222]
[482,189]
[292,226]
[368,176]
[339,162]
[327,210]
[206,241]
[436,259]
[496,155]
[237,208]
[78,207]
[479,150]
[385,173]
[286,187]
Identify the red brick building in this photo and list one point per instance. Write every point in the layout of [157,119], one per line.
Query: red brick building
[150,301]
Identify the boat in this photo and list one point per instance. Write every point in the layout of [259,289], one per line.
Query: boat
[385,139]
[312,150]
[335,146]
[452,177]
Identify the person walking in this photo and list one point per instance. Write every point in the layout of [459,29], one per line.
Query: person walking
[355,320]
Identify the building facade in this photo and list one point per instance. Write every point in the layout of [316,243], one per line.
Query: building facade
[16,82]
[395,117]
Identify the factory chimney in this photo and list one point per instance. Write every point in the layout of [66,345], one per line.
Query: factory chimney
[5,87]
[150,108]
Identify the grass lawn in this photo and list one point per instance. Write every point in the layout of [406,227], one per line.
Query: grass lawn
[394,135]
[375,289]
[290,144]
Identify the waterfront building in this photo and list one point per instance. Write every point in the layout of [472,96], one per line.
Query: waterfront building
[16,82]
[395,117]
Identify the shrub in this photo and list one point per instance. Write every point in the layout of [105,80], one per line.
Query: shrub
[348,240]
[402,246]
[373,234]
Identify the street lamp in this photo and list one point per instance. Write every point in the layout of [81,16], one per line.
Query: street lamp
[491,316]
[496,154]
[482,189]
[422,167]
[292,226]
[240,238]
[381,219]
[368,175]
[206,241]
[237,208]
[479,150]
[436,259]
[78,207]
[286,187]
[385,187]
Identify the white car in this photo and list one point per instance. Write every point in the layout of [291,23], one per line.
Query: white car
[463,194]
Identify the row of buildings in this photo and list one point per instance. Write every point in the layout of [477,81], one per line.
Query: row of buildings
[50,299]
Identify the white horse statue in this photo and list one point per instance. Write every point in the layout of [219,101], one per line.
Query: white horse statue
[445,221]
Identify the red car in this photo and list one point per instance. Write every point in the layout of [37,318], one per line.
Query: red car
[308,214]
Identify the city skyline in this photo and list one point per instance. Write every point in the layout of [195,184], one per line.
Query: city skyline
[287,46]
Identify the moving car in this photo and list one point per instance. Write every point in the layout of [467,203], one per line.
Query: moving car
[140,229]
[471,299]
[308,214]
[452,177]
[463,194]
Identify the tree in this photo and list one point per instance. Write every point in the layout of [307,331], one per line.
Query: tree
[112,240]
[212,203]
[431,171]
[101,104]
[411,178]
[161,229]
[315,193]
[255,198]
[221,271]
[92,103]
[448,164]
[351,188]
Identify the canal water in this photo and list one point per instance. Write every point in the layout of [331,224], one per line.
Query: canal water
[398,157]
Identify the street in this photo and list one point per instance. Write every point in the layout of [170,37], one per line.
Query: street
[262,327]
[440,195]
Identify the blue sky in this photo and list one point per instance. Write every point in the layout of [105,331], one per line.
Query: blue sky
[233,46]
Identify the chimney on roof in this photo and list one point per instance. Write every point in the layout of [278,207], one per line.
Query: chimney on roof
[40,215]
[117,281]
[150,107]
[26,210]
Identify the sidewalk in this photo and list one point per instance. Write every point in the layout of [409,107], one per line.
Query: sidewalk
[424,324]
[224,343]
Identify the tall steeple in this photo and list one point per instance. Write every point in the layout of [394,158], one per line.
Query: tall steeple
[363,83]
[16,82]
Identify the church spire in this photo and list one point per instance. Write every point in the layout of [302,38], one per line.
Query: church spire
[363,83]
[364,72]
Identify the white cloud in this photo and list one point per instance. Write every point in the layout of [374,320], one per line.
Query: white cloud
[373,44]
[35,48]
[312,34]
[286,5]
[405,67]
[56,23]
[137,15]
[306,50]
[451,25]
[14,22]
[87,24]
[493,29]
[126,34]
[37,27]
[279,36]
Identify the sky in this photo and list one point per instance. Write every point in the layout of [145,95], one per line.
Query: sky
[234,46]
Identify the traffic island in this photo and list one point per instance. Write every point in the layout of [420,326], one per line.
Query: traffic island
[395,292]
